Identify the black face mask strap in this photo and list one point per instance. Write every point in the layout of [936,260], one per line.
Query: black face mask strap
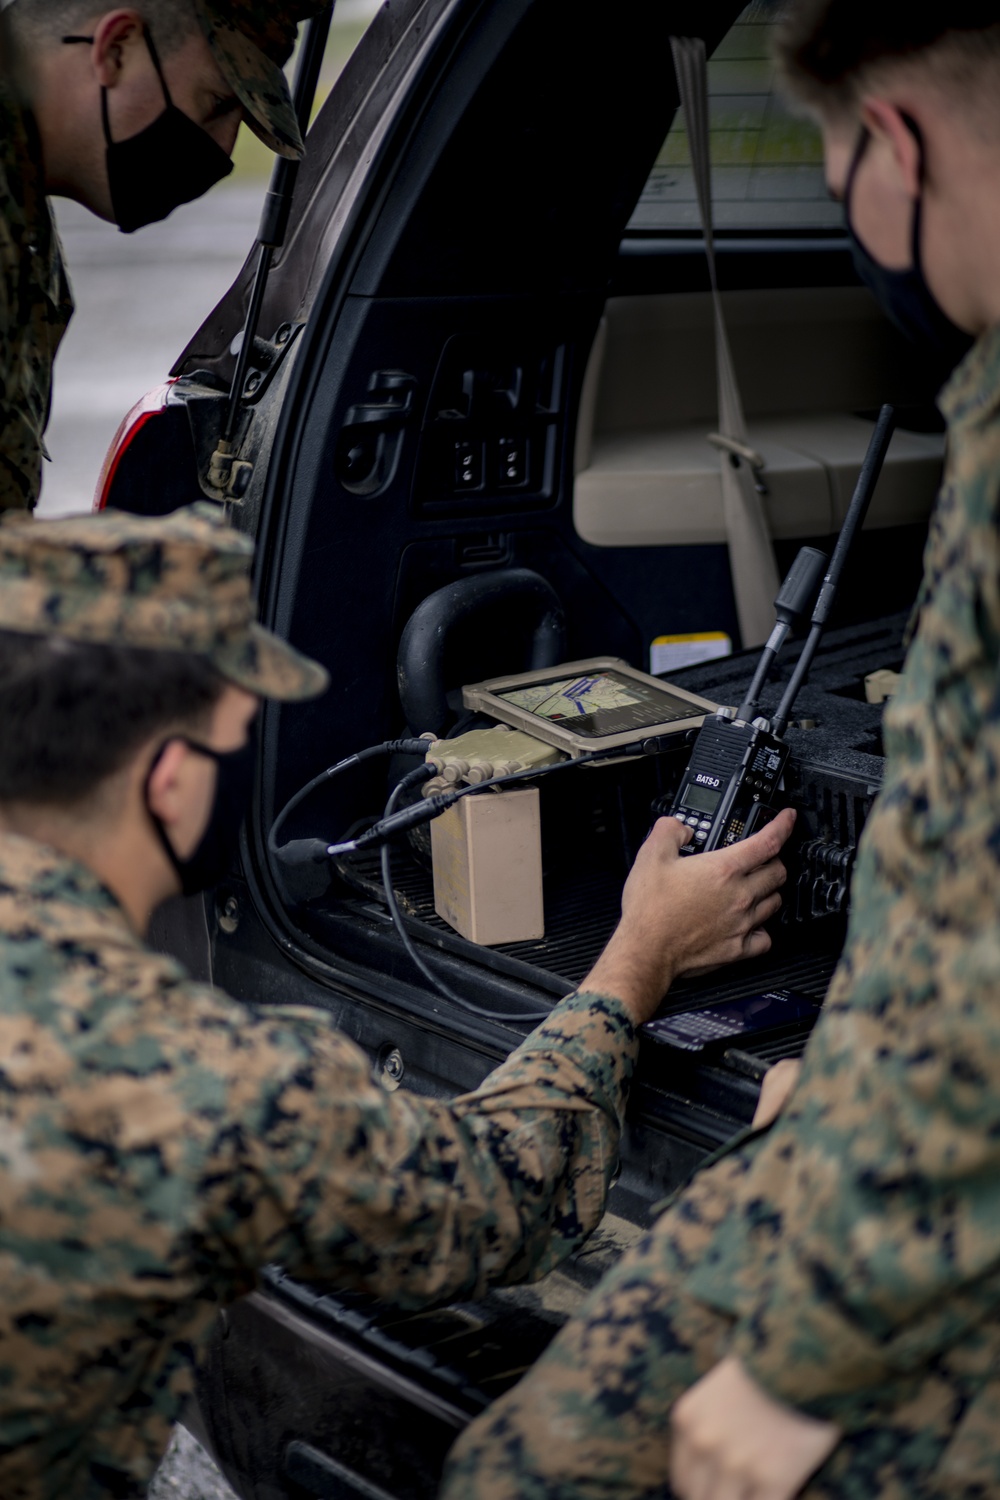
[161,832]
[852,172]
[859,152]
[219,756]
[88,41]
[918,136]
[157,65]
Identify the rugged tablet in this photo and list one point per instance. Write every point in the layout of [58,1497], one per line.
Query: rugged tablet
[589,705]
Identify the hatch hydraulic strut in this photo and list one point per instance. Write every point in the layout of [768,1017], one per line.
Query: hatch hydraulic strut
[270,238]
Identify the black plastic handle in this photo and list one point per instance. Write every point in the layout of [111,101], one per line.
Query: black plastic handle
[525,595]
[801,582]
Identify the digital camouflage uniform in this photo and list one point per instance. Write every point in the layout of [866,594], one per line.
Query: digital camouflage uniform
[160,1143]
[35,305]
[850,1256]
[250,41]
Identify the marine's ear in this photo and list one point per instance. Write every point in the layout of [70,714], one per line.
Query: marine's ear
[166,781]
[886,122]
[117,36]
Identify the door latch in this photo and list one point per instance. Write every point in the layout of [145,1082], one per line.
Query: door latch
[371,439]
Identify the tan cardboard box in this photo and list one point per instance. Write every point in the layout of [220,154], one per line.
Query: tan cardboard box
[487,853]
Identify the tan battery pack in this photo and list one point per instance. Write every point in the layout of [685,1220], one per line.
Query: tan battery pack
[881,685]
[487,854]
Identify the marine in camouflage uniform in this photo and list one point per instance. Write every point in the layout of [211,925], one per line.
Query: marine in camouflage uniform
[250,41]
[160,1143]
[849,1256]
[35,304]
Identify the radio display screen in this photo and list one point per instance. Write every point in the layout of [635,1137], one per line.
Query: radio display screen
[701,799]
[599,703]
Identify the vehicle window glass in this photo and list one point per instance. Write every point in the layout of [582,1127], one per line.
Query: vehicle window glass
[767,164]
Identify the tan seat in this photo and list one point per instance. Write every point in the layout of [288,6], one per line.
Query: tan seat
[646,474]
[910,477]
[663,488]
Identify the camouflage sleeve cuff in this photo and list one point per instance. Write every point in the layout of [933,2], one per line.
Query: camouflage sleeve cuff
[585,1052]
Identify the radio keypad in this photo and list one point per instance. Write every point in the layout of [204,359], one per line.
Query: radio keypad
[710,1028]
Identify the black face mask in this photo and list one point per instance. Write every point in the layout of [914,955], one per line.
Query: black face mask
[169,163]
[905,295]
[210,861]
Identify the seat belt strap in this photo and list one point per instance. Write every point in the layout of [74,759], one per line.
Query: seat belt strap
[751,553]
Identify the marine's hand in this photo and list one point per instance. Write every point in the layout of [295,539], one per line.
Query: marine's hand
[732,1441]
[682,915]
[775,1090]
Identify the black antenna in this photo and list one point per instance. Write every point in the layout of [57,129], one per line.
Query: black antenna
[794,597]
[278,206]
[863,491]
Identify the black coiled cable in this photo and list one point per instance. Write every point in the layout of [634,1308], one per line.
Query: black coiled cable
[412,779]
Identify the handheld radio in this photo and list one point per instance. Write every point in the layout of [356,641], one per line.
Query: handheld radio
[732,783]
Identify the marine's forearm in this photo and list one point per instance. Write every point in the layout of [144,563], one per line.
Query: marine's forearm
[420,1200]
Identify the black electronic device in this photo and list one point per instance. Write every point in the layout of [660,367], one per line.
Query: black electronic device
[732,784]
[729,1021]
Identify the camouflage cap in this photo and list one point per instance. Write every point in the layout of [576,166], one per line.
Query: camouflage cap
[251,41]
[165,583]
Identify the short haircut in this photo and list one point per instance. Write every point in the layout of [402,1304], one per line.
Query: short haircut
[46,21]
[73,714]
[832,51]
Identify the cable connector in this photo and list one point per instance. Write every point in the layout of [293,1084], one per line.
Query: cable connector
[283,852]
[409,817]
[301,852]
[431,807]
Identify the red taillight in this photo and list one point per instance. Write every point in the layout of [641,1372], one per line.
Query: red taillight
[151,405]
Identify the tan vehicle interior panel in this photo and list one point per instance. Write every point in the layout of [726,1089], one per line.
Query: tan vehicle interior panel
[807,362]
